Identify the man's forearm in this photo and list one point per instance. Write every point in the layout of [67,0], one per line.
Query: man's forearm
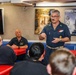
[66,39]
[25,46]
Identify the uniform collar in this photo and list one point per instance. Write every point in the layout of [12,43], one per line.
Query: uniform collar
[60,24]
[50,24]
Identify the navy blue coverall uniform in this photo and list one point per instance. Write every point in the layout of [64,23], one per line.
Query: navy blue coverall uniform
[51,33]
[22,42]
[15,41]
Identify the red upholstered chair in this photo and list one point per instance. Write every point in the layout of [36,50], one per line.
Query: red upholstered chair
[5,69]
[73,51]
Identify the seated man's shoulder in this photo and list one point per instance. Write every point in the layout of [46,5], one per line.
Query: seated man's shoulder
[22,67]
[30,64]
[14,38]
[24,38]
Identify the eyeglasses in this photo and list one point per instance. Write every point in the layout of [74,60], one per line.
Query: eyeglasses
[54,16]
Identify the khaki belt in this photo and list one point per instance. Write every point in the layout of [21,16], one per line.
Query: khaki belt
[53,47]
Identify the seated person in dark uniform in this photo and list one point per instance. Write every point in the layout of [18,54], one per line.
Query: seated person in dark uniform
[61,62]
[7,56]
[18,41]
[33,65]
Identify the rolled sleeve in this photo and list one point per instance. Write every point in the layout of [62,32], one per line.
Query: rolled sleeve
[43,31]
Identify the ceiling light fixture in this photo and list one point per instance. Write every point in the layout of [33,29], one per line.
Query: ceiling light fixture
[46,4]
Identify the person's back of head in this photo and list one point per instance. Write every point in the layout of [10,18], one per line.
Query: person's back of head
[32,66]
[7,55]
[36,50]
[62,62]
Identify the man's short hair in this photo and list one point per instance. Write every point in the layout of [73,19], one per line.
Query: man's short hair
[54,11]
[62,62]
[36,50]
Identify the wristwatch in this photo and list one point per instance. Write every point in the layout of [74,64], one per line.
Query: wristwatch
[60,40]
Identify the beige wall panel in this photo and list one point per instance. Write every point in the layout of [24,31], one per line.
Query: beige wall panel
[24,19]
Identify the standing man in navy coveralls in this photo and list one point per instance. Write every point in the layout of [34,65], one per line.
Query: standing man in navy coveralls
[55,33]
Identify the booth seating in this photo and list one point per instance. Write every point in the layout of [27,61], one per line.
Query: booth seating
[5,42]
[73,51]
[31,42]
[70,45]
[5,69]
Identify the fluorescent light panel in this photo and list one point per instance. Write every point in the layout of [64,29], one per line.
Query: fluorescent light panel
[47,4]
[55,4]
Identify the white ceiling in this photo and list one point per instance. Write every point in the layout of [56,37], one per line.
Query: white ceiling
[18,1]
[29,2]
